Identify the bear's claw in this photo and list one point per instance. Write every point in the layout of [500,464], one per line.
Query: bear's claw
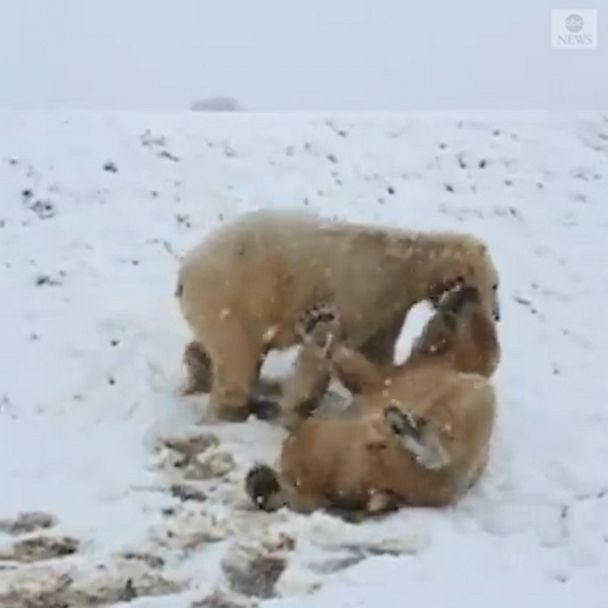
[319,324]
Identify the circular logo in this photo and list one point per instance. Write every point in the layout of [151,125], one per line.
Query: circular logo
[574,23]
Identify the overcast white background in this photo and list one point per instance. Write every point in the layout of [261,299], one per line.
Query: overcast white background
[292,55]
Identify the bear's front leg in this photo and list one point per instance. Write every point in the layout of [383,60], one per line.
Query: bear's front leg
[305,387]
[318,326]
[380,348]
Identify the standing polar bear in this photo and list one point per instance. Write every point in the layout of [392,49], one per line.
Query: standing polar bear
[241,291]
[417,434]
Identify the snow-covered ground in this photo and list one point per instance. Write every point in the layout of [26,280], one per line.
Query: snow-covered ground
[94,210]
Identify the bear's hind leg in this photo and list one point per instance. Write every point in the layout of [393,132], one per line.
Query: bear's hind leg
[418,437]
[356,373]
[198,369]
[236,364]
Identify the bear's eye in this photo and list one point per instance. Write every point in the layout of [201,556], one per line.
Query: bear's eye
[495,287]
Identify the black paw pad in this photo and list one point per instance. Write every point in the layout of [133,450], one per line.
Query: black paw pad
[318,317]
[261,485]
[263,408]
[403,423]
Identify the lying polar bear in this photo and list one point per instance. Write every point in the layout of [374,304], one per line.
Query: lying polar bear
[421,431]
[243,287]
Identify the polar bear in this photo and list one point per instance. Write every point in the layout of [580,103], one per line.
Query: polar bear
[417,434]
[243,287]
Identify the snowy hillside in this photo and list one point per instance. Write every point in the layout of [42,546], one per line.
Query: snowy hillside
[273,55]
[138,503]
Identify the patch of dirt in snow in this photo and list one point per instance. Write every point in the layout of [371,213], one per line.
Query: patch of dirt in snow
[99,585]
[27,522]
[39,548]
